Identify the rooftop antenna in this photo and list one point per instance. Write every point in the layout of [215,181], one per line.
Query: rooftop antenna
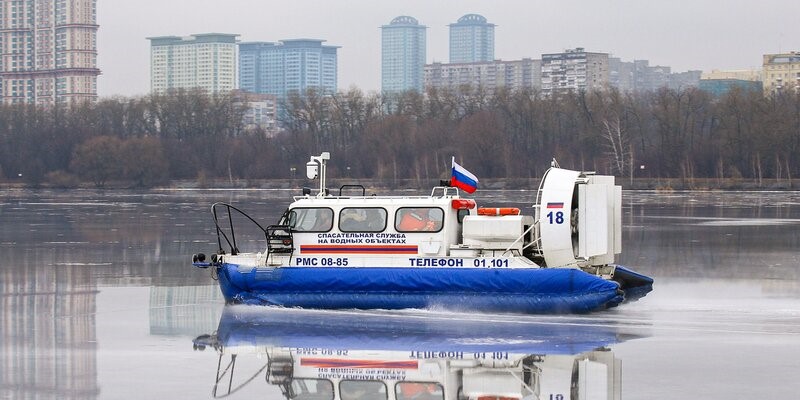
[317,167]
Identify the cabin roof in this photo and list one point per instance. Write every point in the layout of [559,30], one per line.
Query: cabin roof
[373,201]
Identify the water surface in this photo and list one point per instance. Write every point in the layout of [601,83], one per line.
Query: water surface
[98,299]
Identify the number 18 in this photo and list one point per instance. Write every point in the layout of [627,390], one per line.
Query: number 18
[558,218]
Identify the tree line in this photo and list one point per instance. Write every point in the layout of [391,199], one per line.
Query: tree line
[187,134]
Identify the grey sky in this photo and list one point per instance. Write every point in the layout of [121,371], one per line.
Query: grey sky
[683,34]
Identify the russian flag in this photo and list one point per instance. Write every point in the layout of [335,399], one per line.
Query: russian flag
[463,179]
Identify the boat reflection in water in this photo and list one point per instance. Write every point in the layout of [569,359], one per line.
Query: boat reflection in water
[316,355]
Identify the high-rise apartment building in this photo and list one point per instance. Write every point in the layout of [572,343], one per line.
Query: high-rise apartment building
[513,75]
[574,69]
[471,40]
[781,72]
[288,66]
[49,51]
[206,61]
[402,55]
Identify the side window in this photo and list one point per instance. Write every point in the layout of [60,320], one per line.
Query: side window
[419,219]
[312,389]
[418,391]
[461,215]
[363,390]
[354,219]
[311,219]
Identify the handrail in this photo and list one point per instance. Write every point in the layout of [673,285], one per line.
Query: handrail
[446,191]
[538,200]
[353,186]
[280,240]
[221,233]
[530,228]
[229,369]
[374,197]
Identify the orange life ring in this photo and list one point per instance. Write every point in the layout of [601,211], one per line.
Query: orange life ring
[498,211]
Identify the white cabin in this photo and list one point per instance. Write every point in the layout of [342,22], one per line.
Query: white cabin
[576,223]
[438,225]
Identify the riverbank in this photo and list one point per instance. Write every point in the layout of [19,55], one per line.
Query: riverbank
[658,184]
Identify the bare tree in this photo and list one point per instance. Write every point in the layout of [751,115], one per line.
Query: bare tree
[619,148]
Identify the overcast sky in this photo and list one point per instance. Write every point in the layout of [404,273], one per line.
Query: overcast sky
[682,34]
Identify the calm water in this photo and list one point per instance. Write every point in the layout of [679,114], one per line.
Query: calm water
[98,301]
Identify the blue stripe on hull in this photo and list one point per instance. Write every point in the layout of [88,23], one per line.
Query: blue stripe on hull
[538,290]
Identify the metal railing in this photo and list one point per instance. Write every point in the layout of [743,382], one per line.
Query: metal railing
[221,234]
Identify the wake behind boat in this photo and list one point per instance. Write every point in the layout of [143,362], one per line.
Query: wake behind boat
[441,250]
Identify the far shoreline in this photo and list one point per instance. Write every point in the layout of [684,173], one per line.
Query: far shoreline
[651,184]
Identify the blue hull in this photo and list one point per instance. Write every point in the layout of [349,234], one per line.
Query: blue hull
[294,328]
[535,290]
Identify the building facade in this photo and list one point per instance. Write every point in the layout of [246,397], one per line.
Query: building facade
[493,75]
[781,72]
[574,69]
[205,61]
[288,66]
[621,74]
[648,77]
[718,82]
[683,80]
[720,87]
[471,40]
[261,112]
[640,76]
[740,74]
[403,55]
[49,51]
[637,75]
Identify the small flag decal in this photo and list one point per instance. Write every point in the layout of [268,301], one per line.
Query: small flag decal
[555,205]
